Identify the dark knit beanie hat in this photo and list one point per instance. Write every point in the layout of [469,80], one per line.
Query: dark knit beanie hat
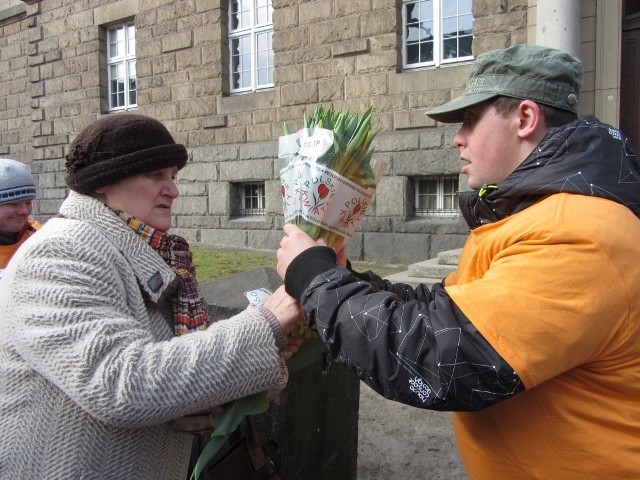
[120,146]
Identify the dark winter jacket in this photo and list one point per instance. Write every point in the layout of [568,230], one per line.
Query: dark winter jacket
[417,346]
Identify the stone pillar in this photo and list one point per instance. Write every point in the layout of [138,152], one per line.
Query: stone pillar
[559,25]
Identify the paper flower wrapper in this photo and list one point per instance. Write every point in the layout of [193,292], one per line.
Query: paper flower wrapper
[329,177]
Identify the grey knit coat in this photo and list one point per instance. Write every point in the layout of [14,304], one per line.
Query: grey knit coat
[91,374]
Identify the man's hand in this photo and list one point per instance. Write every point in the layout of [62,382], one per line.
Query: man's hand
[294,242]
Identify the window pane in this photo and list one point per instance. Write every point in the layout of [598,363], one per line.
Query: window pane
[121,68]
[449,8]
[435,196]
[426,52]
[265,58]
[454,21]
[250,42]
[449,27]
[131,42]
[115,42]
[264,12]
[132,83]
[466,24]
[426,10]
[240,13]
[253,199]
[464,45]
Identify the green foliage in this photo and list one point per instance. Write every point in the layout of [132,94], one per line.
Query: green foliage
[213,262]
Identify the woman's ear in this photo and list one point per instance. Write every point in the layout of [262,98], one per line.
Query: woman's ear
[531,120]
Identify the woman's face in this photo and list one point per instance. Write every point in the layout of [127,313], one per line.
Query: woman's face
[147,196]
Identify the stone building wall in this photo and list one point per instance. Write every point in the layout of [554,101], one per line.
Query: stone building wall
[339,53]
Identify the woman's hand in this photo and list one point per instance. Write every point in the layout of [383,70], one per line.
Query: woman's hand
[285,308]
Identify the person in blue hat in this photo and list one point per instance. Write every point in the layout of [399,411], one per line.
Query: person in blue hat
[534,341]
[17,191]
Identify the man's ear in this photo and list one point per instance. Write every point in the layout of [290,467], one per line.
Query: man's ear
[531,120]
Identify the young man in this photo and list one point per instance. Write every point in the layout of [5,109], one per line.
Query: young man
[17,190]
[534,341]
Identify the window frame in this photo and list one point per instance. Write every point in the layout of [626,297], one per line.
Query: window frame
[127,60]
[253,32]
[250,211]
[438,38]
[440,195]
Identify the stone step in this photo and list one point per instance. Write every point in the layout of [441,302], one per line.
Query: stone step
[450,257]
[428,271]
[402,277]
[431,268]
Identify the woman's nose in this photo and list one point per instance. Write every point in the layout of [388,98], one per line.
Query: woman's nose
[171,189]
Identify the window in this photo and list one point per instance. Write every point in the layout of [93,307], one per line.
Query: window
[252,199]
[436,32]
[121,66]
[436,196]
[250,42]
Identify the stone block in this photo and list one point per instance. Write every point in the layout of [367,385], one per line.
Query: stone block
[190,206]
[411,119]
[426,162]
[351,7]
[352,47]
[246,170]
[391,196]
[219,198]
[264,240]
[377,62]
[299,94]
[331,89]
[396,248]
[315,11]
[377,22]
[366,85]
[224,238]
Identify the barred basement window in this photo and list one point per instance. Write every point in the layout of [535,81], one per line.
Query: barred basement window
[436,32]
[252,198]
[121,67]
[250,43]
[436,196]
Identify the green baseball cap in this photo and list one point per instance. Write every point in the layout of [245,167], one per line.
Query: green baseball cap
[530,72]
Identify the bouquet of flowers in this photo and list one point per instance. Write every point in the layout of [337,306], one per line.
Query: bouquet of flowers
[329,174]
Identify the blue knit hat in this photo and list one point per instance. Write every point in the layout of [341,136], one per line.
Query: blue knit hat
[16,182]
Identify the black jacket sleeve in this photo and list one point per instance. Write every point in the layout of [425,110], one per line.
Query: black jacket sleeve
[412,346]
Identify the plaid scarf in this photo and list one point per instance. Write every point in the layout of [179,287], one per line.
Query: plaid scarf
[189,311]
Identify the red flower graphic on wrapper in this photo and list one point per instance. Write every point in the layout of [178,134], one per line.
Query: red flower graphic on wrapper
[319,199]
[285,196]
[351,216]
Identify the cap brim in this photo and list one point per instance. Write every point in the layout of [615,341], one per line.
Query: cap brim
[453,111]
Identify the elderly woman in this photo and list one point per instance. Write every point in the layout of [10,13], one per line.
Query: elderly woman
[103,332]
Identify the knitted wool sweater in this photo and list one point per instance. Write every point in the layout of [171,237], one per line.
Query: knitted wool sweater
[91,374]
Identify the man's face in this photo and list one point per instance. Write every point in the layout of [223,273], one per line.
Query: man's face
[488,144]
[14,215]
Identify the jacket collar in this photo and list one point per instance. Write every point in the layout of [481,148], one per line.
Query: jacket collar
[154,276]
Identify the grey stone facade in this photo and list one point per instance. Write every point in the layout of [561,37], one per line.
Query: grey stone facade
[339,53]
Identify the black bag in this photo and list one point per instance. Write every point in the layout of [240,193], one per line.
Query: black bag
[244,460]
